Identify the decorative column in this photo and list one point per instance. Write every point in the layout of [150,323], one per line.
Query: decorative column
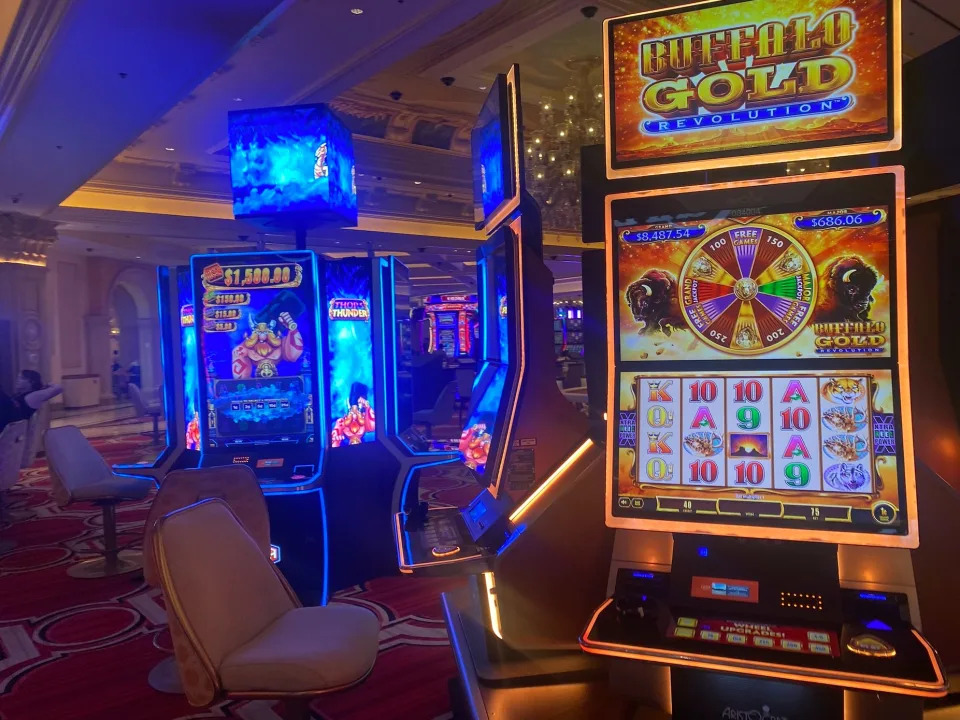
[24,339]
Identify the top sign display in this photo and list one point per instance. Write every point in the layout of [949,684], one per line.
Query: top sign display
[736,82]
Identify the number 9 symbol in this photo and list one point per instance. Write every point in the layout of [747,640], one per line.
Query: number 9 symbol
[797,475]
[748,418]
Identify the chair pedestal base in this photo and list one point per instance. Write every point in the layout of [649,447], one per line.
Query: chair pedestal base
[165,677]
[126,561]
[296,709]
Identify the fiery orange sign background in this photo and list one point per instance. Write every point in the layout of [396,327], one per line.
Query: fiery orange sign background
[868,52]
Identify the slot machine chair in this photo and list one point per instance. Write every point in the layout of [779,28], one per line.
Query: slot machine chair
[238,487]
[79,474]
[442,411]
[13,441]
[143,409]
[239,630]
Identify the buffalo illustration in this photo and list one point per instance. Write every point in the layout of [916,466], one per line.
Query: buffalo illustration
[848,291]
[652,299]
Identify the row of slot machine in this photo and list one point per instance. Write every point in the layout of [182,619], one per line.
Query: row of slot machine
[758,455]
[288,363]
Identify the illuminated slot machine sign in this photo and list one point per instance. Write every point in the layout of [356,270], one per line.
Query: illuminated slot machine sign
[350,379]
[737,82]
[188,359]
[452,322]
[258,347]
[757,375]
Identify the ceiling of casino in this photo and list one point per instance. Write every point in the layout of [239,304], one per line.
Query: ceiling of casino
[138,168]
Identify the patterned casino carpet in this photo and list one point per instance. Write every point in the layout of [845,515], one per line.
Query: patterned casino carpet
[81,649]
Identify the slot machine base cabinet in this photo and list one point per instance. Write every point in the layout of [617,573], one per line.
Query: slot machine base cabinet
[788,629]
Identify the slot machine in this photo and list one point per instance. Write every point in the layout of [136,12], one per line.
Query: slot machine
[525,448]
[259,353]
[760,466]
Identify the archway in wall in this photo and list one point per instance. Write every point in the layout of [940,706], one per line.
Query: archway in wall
[125,322]
[133,303]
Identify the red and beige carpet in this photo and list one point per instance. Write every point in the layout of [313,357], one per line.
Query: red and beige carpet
[82,649]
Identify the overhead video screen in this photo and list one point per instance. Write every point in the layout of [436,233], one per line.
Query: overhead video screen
[719,81]
[494,148]
[807,283]
[258,347]
[292,160]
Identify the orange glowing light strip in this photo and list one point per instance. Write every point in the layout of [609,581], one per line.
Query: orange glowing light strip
[773,156]
[494,609]
[909,540]
[406,566]
[837,678]
[521,510]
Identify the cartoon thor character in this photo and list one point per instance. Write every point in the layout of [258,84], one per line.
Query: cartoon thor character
[264,347]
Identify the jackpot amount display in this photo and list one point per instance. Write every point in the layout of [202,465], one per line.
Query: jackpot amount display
[781,446]
[782,285]
[257,337]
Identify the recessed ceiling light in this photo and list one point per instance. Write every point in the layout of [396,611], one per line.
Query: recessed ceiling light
[483,87]
[417,182]
[169,149]
[357,11]
[138,257]
[238,99]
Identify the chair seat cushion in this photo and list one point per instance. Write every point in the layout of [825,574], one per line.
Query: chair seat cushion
[114,487]
[306,649]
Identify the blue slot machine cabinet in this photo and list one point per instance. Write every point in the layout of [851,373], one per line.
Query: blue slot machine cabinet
[259,353]
[535,518]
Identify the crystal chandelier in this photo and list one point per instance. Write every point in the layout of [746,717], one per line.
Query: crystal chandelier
[552,149]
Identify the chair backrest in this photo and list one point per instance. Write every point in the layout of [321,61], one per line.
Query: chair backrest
[465,378]
[221,591]
[443,408]
[236,485]
[36,426]
[13,441]
[73,462]
[136,399]
[574,375]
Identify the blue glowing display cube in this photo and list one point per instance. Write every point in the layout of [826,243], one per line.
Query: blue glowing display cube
[292,166]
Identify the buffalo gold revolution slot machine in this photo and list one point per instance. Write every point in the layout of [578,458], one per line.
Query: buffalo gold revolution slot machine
[760,468]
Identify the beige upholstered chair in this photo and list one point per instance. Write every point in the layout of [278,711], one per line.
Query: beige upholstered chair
[13,440]
[238,487]
[36,426]
[144,409]
[79,474]
[238,629]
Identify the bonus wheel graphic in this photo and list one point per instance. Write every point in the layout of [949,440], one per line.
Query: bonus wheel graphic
[748,289]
